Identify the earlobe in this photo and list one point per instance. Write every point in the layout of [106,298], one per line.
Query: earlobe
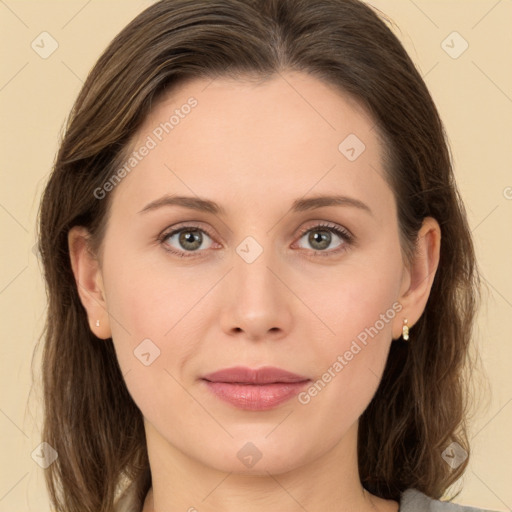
[420,275]
[89,282]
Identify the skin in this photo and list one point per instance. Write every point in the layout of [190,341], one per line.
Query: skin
[254,149]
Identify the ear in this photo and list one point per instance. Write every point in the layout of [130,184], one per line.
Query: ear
[419,275]
[87,272]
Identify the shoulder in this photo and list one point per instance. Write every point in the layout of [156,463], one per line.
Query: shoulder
[412,500]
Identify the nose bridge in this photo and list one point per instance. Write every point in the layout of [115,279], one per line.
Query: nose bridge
[256,302]
[252,264]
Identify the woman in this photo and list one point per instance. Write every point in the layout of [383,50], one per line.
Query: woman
[261,280]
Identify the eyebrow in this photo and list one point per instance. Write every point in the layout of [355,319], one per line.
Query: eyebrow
[299,205]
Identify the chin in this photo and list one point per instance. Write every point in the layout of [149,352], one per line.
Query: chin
[256,456]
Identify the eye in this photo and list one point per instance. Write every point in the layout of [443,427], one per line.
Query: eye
[184,240]
[320,238]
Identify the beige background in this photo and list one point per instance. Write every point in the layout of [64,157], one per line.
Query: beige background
[473,93]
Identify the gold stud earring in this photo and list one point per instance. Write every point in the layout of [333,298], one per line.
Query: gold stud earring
[97,323]
[405,330]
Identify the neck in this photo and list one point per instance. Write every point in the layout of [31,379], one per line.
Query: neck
[330,482]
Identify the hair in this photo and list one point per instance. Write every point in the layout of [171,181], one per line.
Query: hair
[421,405]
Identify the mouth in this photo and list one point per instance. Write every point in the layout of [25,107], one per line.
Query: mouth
[255,389]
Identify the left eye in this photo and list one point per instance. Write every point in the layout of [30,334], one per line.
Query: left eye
[320,238]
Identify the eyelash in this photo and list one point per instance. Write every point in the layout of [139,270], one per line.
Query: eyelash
[344,234]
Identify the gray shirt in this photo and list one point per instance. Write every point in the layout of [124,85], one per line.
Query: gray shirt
[411,500]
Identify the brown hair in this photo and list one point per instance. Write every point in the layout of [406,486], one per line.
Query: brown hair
[421,405]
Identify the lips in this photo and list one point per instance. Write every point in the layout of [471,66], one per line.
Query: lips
[255,389]
[244,375]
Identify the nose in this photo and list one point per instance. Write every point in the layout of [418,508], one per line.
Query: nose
[256,303]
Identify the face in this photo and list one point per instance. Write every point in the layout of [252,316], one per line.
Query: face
[269,279]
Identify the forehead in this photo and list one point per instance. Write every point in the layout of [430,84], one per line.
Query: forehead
[240,139]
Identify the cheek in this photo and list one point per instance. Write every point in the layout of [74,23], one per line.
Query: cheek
[357,309]
[156,314]
[349,299]
[150,332]
[144,293]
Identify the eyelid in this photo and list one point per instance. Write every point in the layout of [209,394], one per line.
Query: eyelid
[325,224]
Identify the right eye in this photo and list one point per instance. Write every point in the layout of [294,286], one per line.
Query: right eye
[186,239]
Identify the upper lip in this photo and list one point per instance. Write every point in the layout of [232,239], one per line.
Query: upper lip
[245,375]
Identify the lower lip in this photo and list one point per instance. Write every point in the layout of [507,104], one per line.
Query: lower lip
[256,397]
